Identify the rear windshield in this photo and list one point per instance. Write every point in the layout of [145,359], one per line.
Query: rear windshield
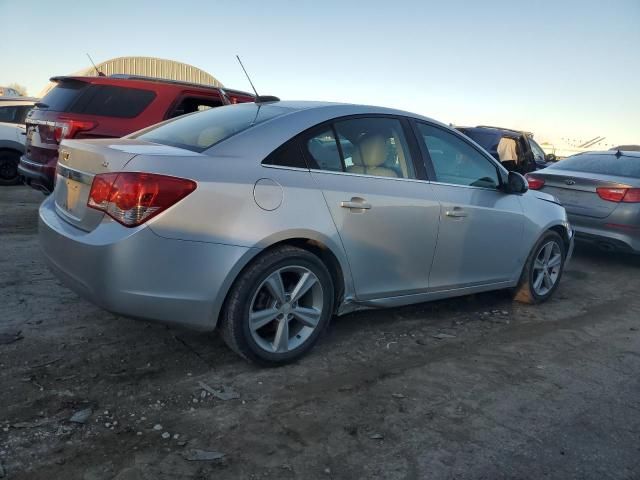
[89,99]
[62,95]
[605,164]
[202,130]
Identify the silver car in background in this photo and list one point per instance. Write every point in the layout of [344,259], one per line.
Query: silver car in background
[601,193]
[264,220]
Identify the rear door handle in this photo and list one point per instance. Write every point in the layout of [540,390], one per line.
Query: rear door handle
[356,203]
[456,212]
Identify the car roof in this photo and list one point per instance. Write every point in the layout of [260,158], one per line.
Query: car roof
[622,153]
[345,109]
[294,118]
[123,79]
[496,130]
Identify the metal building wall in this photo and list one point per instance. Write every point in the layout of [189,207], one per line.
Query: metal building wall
[156,67]
[148,67]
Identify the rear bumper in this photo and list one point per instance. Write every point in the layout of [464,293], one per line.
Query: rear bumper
[136,273]
[38,175]
[607,237]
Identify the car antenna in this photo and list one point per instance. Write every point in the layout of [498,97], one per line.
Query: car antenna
[259,99]
[100,74]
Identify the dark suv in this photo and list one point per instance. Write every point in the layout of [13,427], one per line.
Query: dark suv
[530,155]
[103,107]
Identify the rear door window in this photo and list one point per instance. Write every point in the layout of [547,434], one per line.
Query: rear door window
[373,146]
[9,114]
[323,150]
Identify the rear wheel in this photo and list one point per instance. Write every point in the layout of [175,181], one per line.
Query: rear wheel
[278,307]
[9,167]
[543,270]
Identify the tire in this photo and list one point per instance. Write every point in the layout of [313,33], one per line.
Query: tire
[253,299]
[9,160]
[527,290]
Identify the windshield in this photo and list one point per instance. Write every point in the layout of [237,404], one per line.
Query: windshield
[606,164]
[202,130]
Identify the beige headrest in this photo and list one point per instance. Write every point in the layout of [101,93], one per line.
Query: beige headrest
[373,149]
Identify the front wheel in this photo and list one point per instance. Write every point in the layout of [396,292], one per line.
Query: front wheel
[278,307]
[543,270]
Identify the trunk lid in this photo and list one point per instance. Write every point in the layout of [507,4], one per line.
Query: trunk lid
[81,160]
[577,191]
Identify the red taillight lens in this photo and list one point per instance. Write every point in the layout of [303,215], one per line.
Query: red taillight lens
[632,196]
[132,198]
[535,183]
[67,128]
[622,194]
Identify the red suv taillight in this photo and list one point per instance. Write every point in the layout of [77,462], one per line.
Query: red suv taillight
[132,198]
[535,183]
[67,128]
[625,194]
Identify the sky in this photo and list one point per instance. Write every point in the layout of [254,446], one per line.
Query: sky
[556,68]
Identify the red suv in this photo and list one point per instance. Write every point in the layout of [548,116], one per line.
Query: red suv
[102,107]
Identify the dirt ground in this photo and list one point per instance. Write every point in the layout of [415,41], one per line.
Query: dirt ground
[510,391]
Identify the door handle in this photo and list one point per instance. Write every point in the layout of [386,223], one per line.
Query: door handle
[457,212]
[356,203]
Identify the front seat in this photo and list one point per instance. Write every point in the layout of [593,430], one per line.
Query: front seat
[369,155]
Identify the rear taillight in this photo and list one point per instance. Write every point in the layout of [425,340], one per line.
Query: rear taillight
[67,128]
[535,183]
[619,194]
[132,198]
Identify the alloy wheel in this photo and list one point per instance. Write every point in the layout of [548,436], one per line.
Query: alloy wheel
[546,268]
[286,309]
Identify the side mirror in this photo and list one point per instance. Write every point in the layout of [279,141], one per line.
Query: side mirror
[516,183]
[550,157]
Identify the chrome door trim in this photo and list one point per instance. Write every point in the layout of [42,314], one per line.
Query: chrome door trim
[333,172]
[283,167]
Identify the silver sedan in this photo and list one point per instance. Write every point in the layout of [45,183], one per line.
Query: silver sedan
[265,220]
[601,192]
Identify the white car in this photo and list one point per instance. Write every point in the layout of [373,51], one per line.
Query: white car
[13,111]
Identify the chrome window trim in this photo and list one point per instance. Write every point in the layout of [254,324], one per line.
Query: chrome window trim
[332,172]
[284,167]
[416,180]
[466,186]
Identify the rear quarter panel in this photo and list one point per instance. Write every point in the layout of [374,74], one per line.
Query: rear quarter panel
[223,208]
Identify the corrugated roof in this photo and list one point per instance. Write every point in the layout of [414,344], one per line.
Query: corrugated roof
[148,67]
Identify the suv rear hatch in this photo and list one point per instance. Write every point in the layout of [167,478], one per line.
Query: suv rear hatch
[46,125]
